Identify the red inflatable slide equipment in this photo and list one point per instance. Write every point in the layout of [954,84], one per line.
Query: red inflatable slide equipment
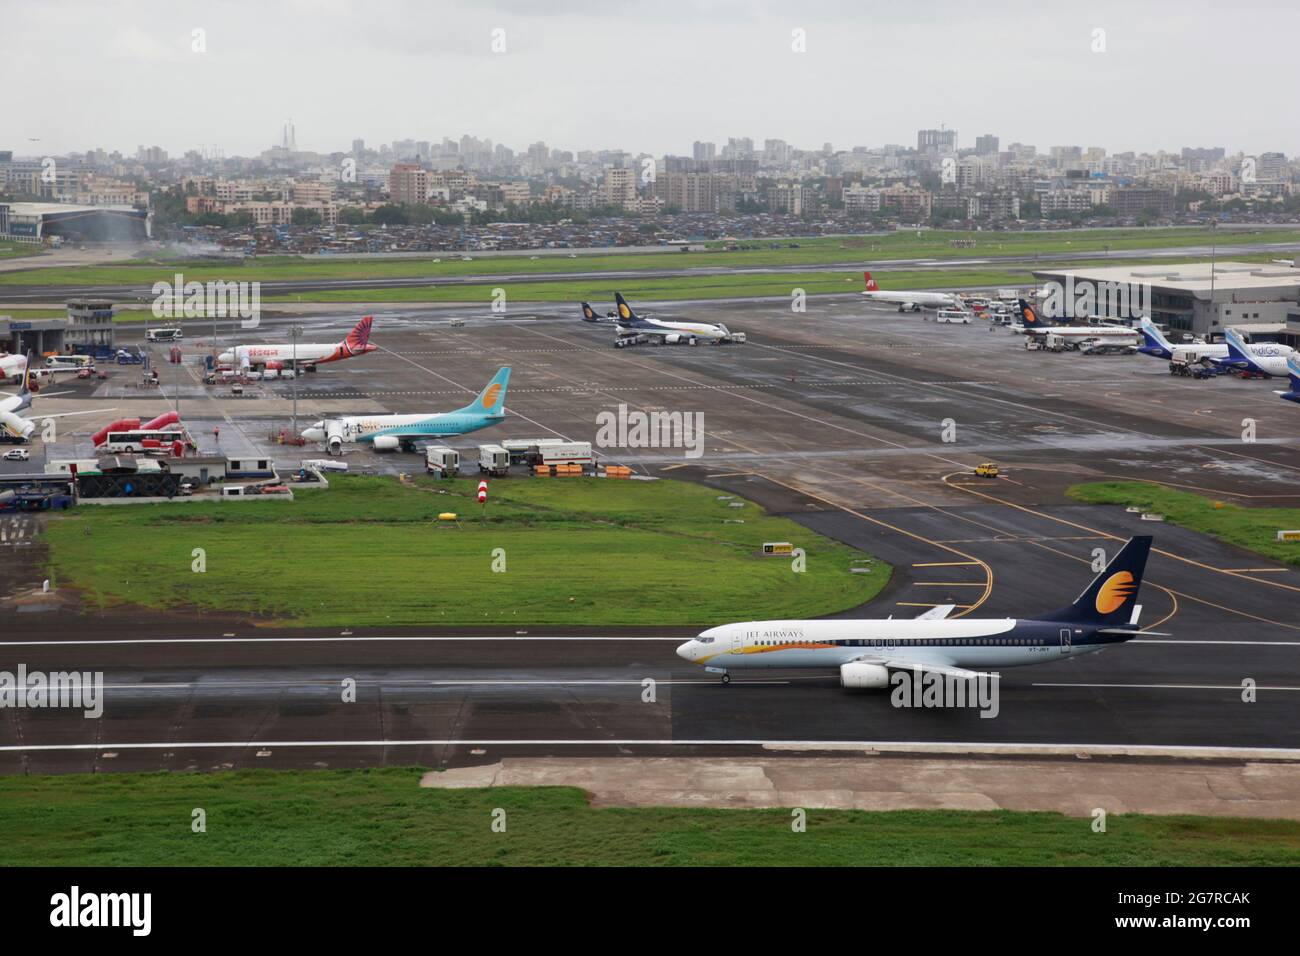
[121,425]
[169,418]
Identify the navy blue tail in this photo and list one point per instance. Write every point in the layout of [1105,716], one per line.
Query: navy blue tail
[1112,595]
[1032,318]
[625,314]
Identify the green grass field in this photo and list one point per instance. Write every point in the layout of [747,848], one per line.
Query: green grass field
[677,287]
[382,818]
[1253,528]
[819,251]
[17,250]
[370,552]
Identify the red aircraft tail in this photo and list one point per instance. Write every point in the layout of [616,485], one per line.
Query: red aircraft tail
[871,283]
[358,339]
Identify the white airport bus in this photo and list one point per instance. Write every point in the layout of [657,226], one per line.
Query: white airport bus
[163,335]
[156,441]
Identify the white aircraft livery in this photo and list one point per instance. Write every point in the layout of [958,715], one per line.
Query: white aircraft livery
[10,405]
[865,651]
[1156,345]
[631,324]
[304,354]
[1035,324]
[912,301]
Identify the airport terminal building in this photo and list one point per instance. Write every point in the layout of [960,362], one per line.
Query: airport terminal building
[1184,297]
[34,222]
[88,327]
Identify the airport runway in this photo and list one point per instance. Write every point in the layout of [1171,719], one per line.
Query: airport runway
[142,293]
[835,418]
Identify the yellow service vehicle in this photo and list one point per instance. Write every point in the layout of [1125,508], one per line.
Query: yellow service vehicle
[987,470]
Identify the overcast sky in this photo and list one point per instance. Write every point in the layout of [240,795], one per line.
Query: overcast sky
[647,76]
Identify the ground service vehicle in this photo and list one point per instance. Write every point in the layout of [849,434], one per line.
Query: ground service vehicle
[442,461]
[493,460]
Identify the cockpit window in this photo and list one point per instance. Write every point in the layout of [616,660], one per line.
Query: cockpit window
[705,640]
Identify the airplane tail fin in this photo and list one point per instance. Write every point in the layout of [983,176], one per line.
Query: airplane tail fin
[1238,351]
[588,313]
[1293,372]
[872,285]
[625,313]
[1154,340]
[492,400]
[1031,317]
[1111,598]
[358,339]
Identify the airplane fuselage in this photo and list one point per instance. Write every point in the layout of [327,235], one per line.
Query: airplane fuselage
[965,643]
[699,330]
[1266,357]
[259,356]
[919,300]
[1086,331]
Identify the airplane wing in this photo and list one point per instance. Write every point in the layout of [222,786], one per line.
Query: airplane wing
[961,673]
[936,613]
[927,667]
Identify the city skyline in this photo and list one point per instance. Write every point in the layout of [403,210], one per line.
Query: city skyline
[342,72]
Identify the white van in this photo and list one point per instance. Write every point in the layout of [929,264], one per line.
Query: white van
[953,316]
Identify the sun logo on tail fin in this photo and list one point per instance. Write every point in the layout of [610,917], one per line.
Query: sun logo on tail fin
[1117,589]
[491,395]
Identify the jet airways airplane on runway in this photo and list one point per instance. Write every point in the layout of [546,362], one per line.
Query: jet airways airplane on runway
[630,325]
[865,651]
[1036,324]
[304,354]
[912,301]
[591,315]
[391,432]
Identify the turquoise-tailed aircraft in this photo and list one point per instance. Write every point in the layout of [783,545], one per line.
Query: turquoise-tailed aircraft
[393,432]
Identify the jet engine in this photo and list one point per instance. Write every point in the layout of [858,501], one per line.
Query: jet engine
[672,338]
[16,425]
[387,443]
[859,675]
[334,437]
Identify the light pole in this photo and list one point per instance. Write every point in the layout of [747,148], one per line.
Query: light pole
[295,331]
[1214,223]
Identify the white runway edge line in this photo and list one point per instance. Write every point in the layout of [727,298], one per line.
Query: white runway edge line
[1232,687]
[878,746]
